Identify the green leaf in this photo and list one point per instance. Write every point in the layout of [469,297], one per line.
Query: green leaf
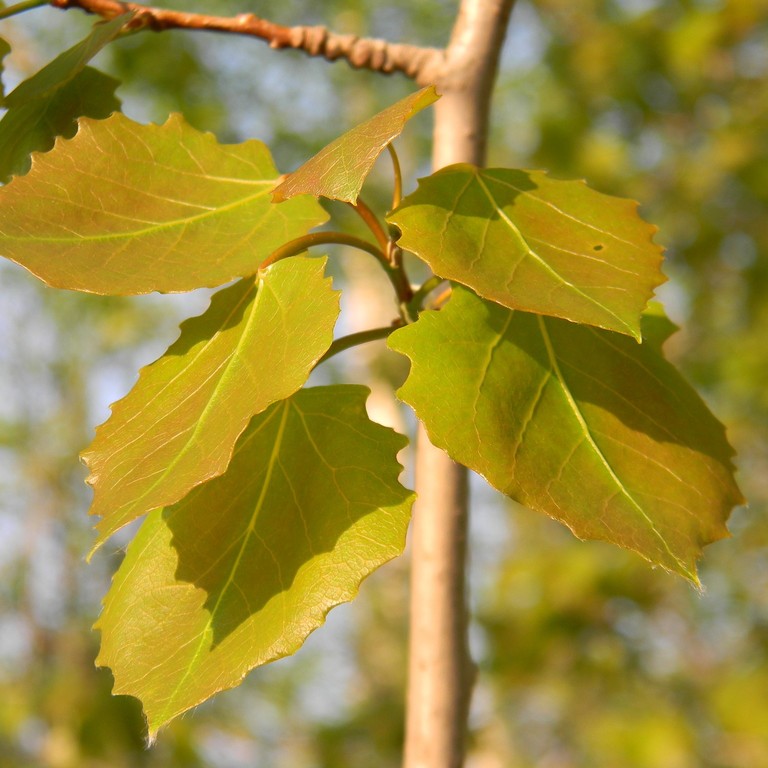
[48,104]
[65,67]
[124,208]
[242,570]
[34,126]
[657,327]
[585,425]
[5,49]
[534,243]
[339,170]
[255,345]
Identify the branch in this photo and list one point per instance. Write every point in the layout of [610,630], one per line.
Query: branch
[416,62]
[440,671]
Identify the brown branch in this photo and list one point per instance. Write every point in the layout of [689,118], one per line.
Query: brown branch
[416,62]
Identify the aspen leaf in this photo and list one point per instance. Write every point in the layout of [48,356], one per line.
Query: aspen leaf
[48,104]
[530,242]
[244,568]
[66,66]
[256,344]
[582,424]
[34,125]
[339,170]
[125,208]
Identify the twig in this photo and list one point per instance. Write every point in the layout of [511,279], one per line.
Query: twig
[417,62]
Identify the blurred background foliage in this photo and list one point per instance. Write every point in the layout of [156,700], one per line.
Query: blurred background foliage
[587,657]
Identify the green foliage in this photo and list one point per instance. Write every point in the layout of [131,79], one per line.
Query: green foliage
[5,49]
[48,104]
[65,68]
[267,505]
[245,567]
[585,425]
[530,242]
[32,125]
[181,212]
[179,424]
[326,175]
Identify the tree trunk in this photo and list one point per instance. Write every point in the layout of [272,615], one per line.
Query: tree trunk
[440,671]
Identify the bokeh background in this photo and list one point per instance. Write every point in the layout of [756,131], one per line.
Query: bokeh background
[588,658]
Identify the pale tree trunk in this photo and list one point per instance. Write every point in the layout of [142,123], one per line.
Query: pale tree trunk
[440,671]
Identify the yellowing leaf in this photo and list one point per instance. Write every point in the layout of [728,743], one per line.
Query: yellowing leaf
[243,569]
[124,208]
[339,170]
[585,425]
[530,242]
[256,344]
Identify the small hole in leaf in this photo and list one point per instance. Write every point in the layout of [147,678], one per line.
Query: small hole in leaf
[598,247]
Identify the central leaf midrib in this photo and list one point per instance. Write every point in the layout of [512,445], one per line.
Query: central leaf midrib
[576,410]
[201,421]
[129,235]
[208,629]
[542,262]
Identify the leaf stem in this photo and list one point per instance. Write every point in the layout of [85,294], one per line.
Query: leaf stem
[397,193]
[27,5]
[361,337]
[372,222]
[394,271]
[300,244]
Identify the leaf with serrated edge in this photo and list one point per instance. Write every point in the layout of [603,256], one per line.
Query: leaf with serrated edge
[585,425]
[34,125]
[339,170]
[530,242]
[256,344]
[242,570]
[125,208]
[48,104]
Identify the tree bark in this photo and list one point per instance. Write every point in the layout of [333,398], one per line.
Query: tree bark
[440,671]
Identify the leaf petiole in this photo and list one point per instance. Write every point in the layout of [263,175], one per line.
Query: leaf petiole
[27,5]
[372,222]
[361,337]
[397,194]
[394,272]
[300,244]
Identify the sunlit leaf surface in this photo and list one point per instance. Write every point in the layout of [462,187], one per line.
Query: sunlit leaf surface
[339,170]
[124,208]
[256,344]
[534,243]
[585,425]
[246,566]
